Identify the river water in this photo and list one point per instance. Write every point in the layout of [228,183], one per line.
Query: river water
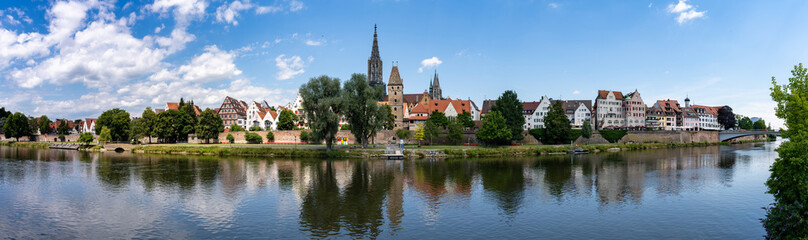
[687,193]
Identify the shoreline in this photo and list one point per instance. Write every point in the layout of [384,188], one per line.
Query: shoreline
[435,151]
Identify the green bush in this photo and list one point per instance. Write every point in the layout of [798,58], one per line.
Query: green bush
[255,129]
[270,137]
[61,137]
[304,136]
[86,138]
[786,221]
[612,135]
[574,134]
[230,138]
[345,127]
[537,133]
[253,138]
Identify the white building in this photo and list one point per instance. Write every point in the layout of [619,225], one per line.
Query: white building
[708,117]
[89,125]
[261,115]
[609,110]
[578,111]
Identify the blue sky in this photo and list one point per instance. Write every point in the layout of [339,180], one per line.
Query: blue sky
[77,58]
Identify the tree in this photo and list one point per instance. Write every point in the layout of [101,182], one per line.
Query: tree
[252,138]
[510,108]
[788,182]
[759,125]
[438,118]
[403,134]
[557,125]
[172,126]
[465,119]
[44,124]
[255,129]
[364,114]
[345,127]
[148,119]
[230,138]
[270,136]
[209,126]
[86,138]
[105,135]
[287,120]
[586,129]
[236,128]
[304,136]
[746,123]
[431,130]
[494,130]
[33,125]
[117,121]
[4,113]
[138,130]
[419,132]
[390,122]
[16,126]
[323,103]
[64,128]
[612,135]
[726,118]
[455,131]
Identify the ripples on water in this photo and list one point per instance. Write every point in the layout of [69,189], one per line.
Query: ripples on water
[709,192]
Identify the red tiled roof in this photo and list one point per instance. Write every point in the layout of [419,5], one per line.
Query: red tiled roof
[529,107]
[440,105]
[419,118]
[602,94]
[173,106]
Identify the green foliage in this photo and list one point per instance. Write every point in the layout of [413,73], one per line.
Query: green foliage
[324,105]
[510,108]
[230,138]
[287,120]
[557,125]
[106,134]
[148,118]
[403,134]
[236,128]
[759,125]
[786,221]
[304,136]
[255,129]
[612,135]
[172,126]
[117,121]
[455,131]
[44,124]
[4,113]
[138,129]
[726,118]
[252,138]
[574,134]
[438,118]
[345,127]
[365,115]
[537,133]
[419,132]
[190,120]
[431,131]
[209,126]
[270,137]
[465,119]
[86,138]
[61,137]
[746,123]
[494,130]
[586,129]
[390,122]
[63,129]
[17,126]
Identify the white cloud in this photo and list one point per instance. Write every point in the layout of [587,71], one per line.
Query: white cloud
[576,92]
[314,43]
[229,12]
[184,10]
[295,5]
[267,9]
[289,67]
[553,5]
[429,63]
[686,12]
[160,28]
[213,65]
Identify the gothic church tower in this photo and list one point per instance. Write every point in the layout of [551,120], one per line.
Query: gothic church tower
[434,88]
[395,88]
[375,65]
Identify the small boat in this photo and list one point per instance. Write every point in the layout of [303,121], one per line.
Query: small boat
[578,150]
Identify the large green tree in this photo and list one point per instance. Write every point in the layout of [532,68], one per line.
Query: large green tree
[509,106]
[438,118]
[324,105]
[287,120]
[746,123]
[173,126]
[137,130]
[455,131]
[788,182]
[759,125]
[64,128]
[16,126]
[209,126]
[148,119]
[557,125]
[361,108]
[188,110]
[465,119]
[432,130]
[494,130]
[117,120]
[726,118]
[44,124]
[586,129]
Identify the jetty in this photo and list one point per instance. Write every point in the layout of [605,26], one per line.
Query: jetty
[69,146]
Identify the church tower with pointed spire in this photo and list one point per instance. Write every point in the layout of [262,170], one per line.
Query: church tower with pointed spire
[375,75]
[434,88]
[395,86]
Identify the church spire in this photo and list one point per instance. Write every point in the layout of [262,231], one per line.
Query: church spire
[375,77]
[374,53]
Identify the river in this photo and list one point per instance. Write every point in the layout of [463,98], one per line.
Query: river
[711,192]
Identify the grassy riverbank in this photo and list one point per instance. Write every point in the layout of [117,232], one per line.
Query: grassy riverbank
[255,150]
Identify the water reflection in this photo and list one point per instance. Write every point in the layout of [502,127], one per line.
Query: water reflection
[68,193]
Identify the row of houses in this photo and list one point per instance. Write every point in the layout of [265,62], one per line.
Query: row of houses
[613,110]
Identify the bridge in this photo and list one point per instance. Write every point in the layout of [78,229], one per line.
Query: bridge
[126,147]
[729,135]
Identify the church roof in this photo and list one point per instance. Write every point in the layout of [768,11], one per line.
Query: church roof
[374,53]
[435,82]
[395,78]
